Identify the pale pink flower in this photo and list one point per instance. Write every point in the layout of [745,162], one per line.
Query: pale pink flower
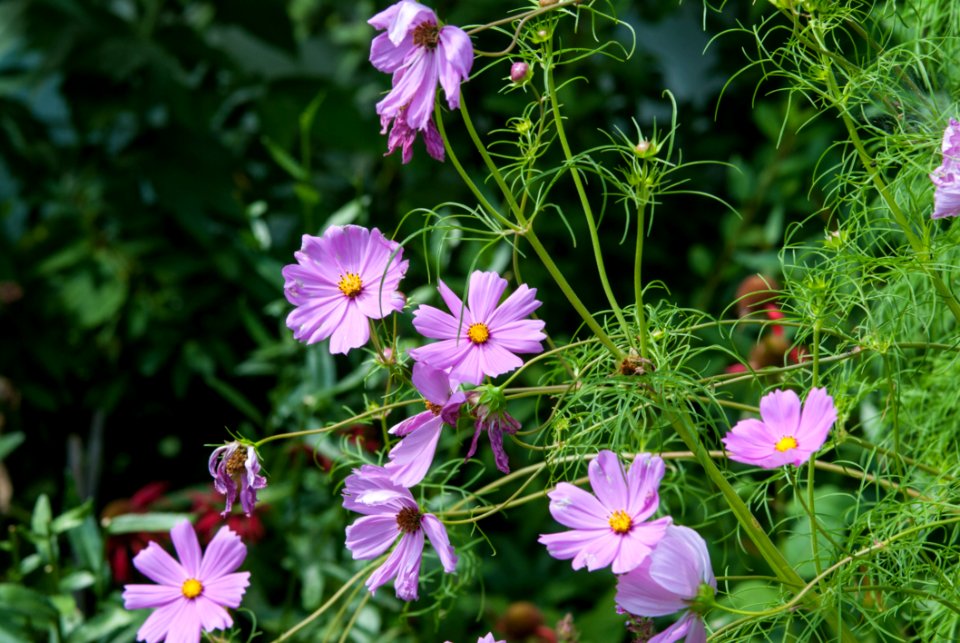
[946,178]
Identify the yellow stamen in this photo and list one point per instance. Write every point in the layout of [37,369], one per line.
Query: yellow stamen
[620,522]
[191,588]
[478,333]
[350,284]
[786,443]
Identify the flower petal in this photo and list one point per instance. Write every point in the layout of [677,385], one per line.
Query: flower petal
[437,534]
[486,288]
[780,411]
[136,597]
[227,590]
[370,536]
[411,458]
[224,555]
[573,507]
[816,419]
[188,547]
[608,481]
[159,566]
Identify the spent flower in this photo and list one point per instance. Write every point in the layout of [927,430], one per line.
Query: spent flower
[676,576]
[390,511]
[785,433]
[490,411]
[946,178]
[190,596]
[342,279]
[235,468]
[483,338]
[607,527]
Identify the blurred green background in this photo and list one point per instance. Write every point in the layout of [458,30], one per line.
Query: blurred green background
[159,161]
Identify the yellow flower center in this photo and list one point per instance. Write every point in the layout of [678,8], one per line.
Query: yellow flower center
[620,522]
[786,443]
[350,284]
[191,588]
[478,333]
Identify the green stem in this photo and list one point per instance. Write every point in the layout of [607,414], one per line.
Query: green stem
[584,201]
[640,311]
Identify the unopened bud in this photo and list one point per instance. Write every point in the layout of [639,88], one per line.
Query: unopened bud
[520,72]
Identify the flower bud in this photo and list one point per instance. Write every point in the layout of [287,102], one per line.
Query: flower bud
[520,73]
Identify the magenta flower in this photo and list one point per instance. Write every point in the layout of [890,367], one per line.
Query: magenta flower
[677,576]
[410,460]
[482,339]
[490,410]
[609,528]
[946,178]
[236,467]
[785,434]
[340,280]
[419,54]
[190,595]
[390,511]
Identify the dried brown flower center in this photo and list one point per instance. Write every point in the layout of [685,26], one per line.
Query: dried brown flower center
[237,461]
[350,284]
[478,333]
[620,522]
[409,519]
[192,588]
[433,408]
[426,35]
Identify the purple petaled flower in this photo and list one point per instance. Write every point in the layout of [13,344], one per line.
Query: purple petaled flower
[190,595]
[236,467]
[490,409]
[419,54]
[676,576]
[946,178]
[410,460]
[609,527]
[342,279]
[482,339]
[786,434]
[391,511]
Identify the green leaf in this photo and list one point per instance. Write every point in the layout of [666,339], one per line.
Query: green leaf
[40,521]
[147,522]
[101,626]
[284,160]
[71,519]
[9,442]
[22,600]
[76,581]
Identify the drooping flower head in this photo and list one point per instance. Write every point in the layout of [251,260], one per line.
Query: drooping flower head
[946,178]
[482,339]
[676,576]
[419,53]
[190,595]
[490,411]
[411,458]
[390,511]
[342,279]
[785,434]
[235,468]
[608,528]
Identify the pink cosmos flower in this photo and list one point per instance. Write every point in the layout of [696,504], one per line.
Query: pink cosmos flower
[946,178]
[410,460]
[609,528]
[676,574]
[419,54]
[190,595]
[390,511]
[340,280]
[236,467]
[482,339]
[786,434]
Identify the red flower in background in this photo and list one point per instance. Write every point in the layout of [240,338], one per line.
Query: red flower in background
[206,507]
[121,548]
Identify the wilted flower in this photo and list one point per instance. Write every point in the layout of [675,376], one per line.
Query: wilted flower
[419,54]
[482,339]
[786,434]
[342,279]
[492,417]
[609,527]
[391,511]
[235,468]
[410,460]
[676,576]
[946,178]
[189,596]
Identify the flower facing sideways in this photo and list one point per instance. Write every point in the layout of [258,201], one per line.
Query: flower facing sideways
[608,528]
[491,417]
[342,279]
[235,468]
[677,576]
[483,338]
[946,178]
[390,511]
[785,434]
[410,460]
[419,53]
[190,595]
